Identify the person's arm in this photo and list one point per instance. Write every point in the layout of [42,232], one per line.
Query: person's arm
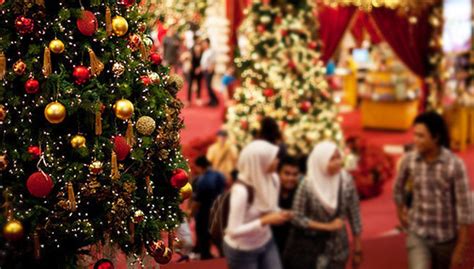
[463,210]
[353,213]
[398,191]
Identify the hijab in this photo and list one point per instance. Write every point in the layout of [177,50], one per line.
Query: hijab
[325,186]
[253,164]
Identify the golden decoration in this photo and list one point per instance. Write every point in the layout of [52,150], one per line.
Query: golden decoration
[19,67]
[78,141]
[55,112]
[123,109]
[119,25]
[56,46]
[145,125]
[186,191]
[3,162]
[13,230]
[96,167]
[368,5]
[3,113]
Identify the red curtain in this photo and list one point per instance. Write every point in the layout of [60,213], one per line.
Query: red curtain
[333,23]
[364,25]
[410,41]
[235,14]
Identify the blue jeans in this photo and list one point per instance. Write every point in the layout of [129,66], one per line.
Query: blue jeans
[265,257]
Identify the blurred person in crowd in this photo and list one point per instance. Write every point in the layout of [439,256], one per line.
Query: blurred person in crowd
[209,184]
[228,84]
[438,218]
[195,73]
[326,197]
[171,46]
[289,174]
[223,155]
[248,241]
[208,63]
[270,132]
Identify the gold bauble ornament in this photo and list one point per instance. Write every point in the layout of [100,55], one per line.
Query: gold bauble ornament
[145,125]
[186,191]
[56,46]
[19,67]
[55,112]
[95,167]
[123,109]
[119,25]
[3,113]
[3,162]
[13,230]
[78,141]
[118,69]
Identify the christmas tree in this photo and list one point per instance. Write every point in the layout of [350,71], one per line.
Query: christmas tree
[282,77]
[89,134]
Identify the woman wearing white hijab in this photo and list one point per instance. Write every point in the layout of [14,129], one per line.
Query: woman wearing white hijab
[248,242]
[324,199]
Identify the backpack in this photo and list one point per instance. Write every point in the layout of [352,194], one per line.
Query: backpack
[219,214]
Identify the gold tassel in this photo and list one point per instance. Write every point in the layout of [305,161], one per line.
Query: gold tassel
[96,65]
[108,21]
[115,174]
[47,69]
[71,197]
[143,51]
[37,245]
[129,134]
[148,185]
[3,65]
[98,123]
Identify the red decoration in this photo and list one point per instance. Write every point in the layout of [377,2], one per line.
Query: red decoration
[81,74]
[127,3]
[284,32]
[121,148]
[32,86]
[261,28]
[291,64]
[87,23]
[146,80]
[24,25]
[313,45]
[155,58]
[244,124]
[278,20]
[305,106]
[269,92]
[165,257]
[2,2]
[39,184]
[134,42]
[157,248]
[35,151]
[179,178]
[104,264]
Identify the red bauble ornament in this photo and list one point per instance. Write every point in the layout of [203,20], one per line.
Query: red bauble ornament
[305,106]
[24,25]
[32,86]
[134,42]
[155,58]
[165,257]
[179,178]
[127,3]
[278,20]
[2,2]
[104,264]
[87,23]
[146,80]
[39,184]
[244,124]
[291,64]
[284,32]
[81,74]
[261,28]
[269,92]
[35,151]
[157,248]
[313,45]
[121,148]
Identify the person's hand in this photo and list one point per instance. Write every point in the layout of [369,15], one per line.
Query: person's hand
[457,258]
[276,218]
[336,224]
[403,216]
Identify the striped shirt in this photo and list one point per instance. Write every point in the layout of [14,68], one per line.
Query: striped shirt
[440,195]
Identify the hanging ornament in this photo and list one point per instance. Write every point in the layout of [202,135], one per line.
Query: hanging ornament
[47,67]
[291,64]
[71,197]
[155,58]
[165,257]
[121,147]
[145,125]
[78,141]
[55,112]
[56,46]
[81,74]
[19,67]
[179,178]
[87,23]
[134,42]
[146,80]
[3,65]
[261,28]
[3,113]
[35,151]
[119,25]
[2,2]
[129,135]
[126,3]
[24,25]
[138,216]
[268,92]
[244,124]
[39,184]
[32,86]
[108,21]
[13,230]
[154,77]
[123,109]
[3,162]
[141,27]
[114,168]
[96,167]
[305,106]
[186,191]
[103,264]
[313,45]
[284,32]
[96,65]
[98,118]
[118,69]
